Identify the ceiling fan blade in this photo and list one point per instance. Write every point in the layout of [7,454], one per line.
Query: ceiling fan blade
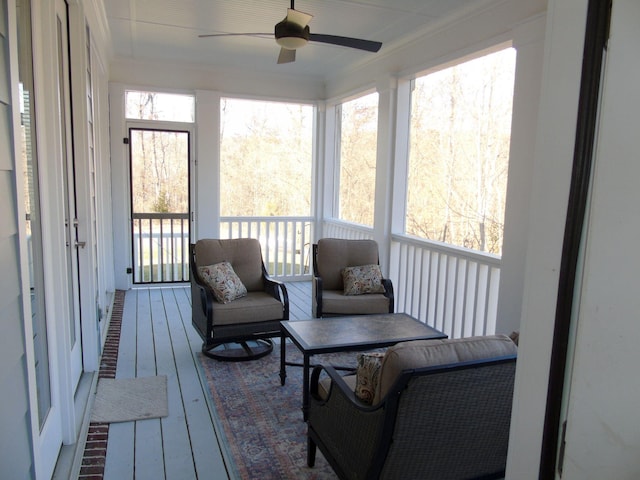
[360,44]
[262,34]
[286,56]
[298,17]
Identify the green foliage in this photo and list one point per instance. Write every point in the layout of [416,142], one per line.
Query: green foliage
[162,203]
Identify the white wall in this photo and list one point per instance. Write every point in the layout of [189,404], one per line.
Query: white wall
[121,221]
[551,173]
[603,425]
[16,455]
[528,40]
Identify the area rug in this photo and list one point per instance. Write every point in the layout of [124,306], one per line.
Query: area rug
[129,399]
[261,420]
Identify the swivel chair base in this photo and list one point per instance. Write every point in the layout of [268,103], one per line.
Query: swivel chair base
[238,351]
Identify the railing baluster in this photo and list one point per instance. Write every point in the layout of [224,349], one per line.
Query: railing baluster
[468,316]
[151,260]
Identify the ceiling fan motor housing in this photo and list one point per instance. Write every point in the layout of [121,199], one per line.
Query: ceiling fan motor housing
[290,35]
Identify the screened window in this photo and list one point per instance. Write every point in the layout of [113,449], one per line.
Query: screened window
[459,152]
[159,106]
[265,158]
[358,120]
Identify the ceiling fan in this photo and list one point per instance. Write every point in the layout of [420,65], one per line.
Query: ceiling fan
[293,33]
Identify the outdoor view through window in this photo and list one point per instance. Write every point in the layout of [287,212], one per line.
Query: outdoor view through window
[459,152]
[358,140]
[159,184]
[265,158]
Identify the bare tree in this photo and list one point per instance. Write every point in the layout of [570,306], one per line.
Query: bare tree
[459,153]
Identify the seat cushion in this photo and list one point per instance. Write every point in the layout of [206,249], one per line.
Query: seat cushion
[336,302]
[324,385]
[255,307]
[427,353]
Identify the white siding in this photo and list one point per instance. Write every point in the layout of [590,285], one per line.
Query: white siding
[15,443]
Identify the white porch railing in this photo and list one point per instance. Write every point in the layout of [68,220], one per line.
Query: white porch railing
[452,289]
[285,241]
[338,229]
[160,247]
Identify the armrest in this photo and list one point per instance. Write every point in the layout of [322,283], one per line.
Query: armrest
[342,426]
[336,382]
[388,292]
[316,295]
[206,295]
[201,304]
[277,290]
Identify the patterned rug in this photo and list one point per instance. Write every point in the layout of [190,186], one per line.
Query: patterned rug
[262,421]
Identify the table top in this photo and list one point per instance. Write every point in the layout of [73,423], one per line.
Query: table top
[336,334]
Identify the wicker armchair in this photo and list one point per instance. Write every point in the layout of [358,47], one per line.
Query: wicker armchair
[330,257]
[447,421]
[241,329]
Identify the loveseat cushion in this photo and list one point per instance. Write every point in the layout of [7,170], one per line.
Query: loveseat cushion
[427,353]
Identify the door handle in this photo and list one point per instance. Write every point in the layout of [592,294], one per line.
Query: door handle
[79,244]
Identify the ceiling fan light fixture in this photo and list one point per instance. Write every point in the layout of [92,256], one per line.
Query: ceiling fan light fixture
[291,43]
[290,35]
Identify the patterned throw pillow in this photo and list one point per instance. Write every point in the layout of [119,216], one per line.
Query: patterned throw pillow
[223,281]
[362,279]
[367,374]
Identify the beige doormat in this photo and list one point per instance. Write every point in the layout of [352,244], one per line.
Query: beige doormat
[129,399]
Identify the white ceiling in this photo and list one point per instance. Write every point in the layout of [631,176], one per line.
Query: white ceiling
[167,30]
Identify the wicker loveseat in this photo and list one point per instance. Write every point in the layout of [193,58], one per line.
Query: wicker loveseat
[441,410]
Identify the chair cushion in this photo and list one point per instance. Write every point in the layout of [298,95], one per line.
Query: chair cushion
[223,281]
[362,279]
[334,254]
[335,302]
[426,353]
[254,307]
[244,254]
[324,385]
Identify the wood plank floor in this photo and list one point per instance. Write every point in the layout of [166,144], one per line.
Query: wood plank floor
[157,339]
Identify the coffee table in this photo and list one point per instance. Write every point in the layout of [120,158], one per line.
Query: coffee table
[341,334]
